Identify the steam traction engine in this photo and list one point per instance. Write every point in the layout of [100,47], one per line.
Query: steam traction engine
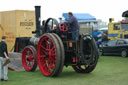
[53,47]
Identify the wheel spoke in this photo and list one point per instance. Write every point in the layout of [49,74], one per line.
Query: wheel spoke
[44,60]
[53,54]
[52,66]
[43,52]
[45,67]
[44,48]
[50,44]
[53,60]
[29,64]
[48,67]
[47,45]
[42,56]
[28,52]
[33,60]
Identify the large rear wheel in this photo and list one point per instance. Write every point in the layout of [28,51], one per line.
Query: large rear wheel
[29,58]
[49,55]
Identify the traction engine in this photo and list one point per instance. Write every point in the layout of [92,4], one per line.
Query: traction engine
[53,47]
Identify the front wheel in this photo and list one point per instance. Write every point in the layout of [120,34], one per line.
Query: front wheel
[29,58]
[89,55]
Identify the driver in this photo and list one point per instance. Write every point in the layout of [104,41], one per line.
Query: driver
[72,21]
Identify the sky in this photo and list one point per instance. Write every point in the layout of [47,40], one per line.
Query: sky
[101,9]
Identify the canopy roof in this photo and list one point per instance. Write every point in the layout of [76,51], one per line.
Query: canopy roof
[80,16]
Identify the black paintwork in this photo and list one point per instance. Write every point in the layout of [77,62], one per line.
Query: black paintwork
[20,43]
[79,53]
[114,47]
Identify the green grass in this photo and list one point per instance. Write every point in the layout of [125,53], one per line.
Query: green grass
[110,70]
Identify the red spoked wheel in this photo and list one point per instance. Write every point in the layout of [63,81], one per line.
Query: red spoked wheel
[63,27]
[49,55]
[29,59]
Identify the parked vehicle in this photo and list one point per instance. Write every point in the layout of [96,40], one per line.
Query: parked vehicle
[115,47]
[118,30]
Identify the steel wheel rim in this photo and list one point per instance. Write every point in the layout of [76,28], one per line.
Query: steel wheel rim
[46,55]
[28,59]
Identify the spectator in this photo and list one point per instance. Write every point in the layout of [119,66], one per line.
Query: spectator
[3,58]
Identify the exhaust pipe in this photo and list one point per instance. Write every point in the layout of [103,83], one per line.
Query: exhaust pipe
[38,20]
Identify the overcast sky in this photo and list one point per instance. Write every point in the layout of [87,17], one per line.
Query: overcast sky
[101,9]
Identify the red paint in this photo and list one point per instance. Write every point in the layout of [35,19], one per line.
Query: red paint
[46,53]
[17,47]
[28,59]
[63,27]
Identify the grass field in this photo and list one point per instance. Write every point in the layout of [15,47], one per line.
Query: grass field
[110,70]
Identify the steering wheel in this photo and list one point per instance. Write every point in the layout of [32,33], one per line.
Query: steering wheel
[51,25]
[63,27]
